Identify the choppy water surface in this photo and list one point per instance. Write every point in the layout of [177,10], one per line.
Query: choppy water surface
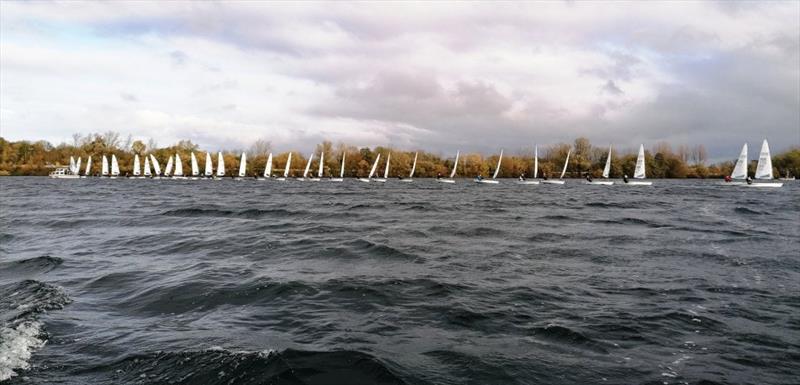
[223,282]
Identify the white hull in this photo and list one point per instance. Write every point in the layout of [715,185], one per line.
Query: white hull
[446,180]
[365,180]
[733,183]
[66,176]
[487,181]
[601,182]
[281,179]
[179,177]
[792,178]
[314,179]
[638,183]
[409,180]
[548,181]
[764,184]
[337,179]
[381,180]
[527,182]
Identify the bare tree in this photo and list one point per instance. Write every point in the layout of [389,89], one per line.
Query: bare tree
[259,147]
[111,139]
[127,144]
[152,144]
[699,154]
[76,139]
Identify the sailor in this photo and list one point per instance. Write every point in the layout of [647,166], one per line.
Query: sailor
[521,177]
[588,178]
[625,178]
[749,180]
[438,175]
[544,175]
[480,177]
[727,178]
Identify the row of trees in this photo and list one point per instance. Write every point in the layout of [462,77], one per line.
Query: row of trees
[38,158]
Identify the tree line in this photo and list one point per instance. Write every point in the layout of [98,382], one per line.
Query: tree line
[663,161]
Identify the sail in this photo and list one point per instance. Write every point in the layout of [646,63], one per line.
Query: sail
[268,169]
[566,162]
[536,161]
[455,166]
[114,165]
[71,164]
[88,166]
[341,172]
[607,168]
[147,166]
[764,167]
[308,165]
[413,166]
[104,170]
[195,167]
[220,165]
[178,166]
[209,167]
[374,166]
[242,165]
[740,170]
[168,167]
[639,173]
[156,166]
[288,165]
[321,163]
[497,170]
[386,170]
[136,167]
[77,166]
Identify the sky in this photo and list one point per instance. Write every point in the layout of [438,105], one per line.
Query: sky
[435,76]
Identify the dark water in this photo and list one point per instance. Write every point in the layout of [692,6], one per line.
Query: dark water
[223,282]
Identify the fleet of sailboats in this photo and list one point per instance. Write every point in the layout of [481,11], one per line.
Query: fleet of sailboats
[740,176]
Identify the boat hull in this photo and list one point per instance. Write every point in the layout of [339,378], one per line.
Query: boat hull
[765,184]
[337,179]
[451,181]
[638,183]
[487,181]
[552,181]
[409,180]
[365,180]
[381,180]
[601,183]
[527,182]
[66,176]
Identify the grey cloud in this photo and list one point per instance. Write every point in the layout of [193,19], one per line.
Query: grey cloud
[178,57]
[128,97]
[611,88]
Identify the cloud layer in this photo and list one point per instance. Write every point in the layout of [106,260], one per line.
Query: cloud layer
[443,76]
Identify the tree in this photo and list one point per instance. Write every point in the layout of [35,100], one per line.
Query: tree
[138,147]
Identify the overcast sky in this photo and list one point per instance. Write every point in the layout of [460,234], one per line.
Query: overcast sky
[443,76]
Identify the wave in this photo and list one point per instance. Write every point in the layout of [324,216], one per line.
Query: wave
[22,267]
[247,214]
[567,336]
[378,250]
[749,211]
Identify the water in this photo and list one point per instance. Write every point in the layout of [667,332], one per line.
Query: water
[218,282]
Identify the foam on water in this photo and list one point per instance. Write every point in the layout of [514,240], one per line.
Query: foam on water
[16,347]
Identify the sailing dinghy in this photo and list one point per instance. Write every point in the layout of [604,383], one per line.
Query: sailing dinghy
[147,173]
[452,173]
[209,172]
[308,167]
[522,179]
[195,168]
[494,180]
[168,168]
[242,167]
[137,172]
[385,171]
[606,171]
[639,172]
[321,165]
[560,179]
[286,170]
[156,167]
[178,168]
[220,166]
[88,167]
[413,167]
[104,167]
[268,168]
[341,172]
[764,168]
[114,167]
[372,171]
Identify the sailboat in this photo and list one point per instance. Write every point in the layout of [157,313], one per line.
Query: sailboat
[268,168]
[764,168]
[321,165]
[452,173]
[413,168]
[114,166]
[386,170]
[220,166]
[494,176]
[178,168]
[209,171]
[195,168]
[71,164]
[560,179]
[341,172]
[287,168]
[88,167]
[147,173]
[137,172]
[606,172]
[242,166]
[308,167]
[639,172]
[739,173]
[522,179]
[168,168]
[156,167]
[77,170]
[372,171]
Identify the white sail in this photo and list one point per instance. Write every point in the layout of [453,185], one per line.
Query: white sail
[386,170]
[168,167]
[77,166]
[220,165]
[566,162]
[639,173]
[104,169]
[536,161]
[178,166]
[209,171]
[455,166]
[607,168]
[497,170]
[764,167]
[71,164]
[740,170]
[114,165]
[156,166]
[374,166]
[136,167]
[341,171]
[195,167]
[268,169]
[88,166]
[308,165]
[321,163]
[414,165]
[147,166]
[242,165]
[288,166]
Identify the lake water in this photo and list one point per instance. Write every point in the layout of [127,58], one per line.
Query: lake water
[251,282]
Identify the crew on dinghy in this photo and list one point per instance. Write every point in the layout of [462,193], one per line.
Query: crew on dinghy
[749,180]
[438,175]
[625,178]
[588,178]
[522,177]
